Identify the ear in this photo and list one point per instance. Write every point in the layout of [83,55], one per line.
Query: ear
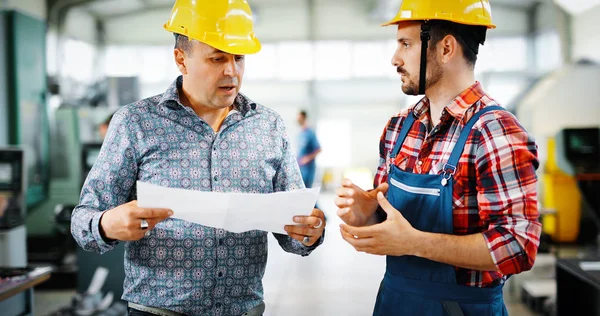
[179,55]
[448,47]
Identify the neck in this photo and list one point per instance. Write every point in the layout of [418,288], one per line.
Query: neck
[213,116]
[446,90]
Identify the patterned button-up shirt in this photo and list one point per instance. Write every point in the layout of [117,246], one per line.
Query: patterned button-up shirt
[182,266]
[494,190]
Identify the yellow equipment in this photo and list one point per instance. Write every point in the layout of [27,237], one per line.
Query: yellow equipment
[223,24]
[470,12]
[562,195]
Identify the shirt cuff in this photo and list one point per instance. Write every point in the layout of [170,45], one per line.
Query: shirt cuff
[104,244]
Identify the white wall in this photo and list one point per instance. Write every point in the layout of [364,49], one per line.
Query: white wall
[586,35]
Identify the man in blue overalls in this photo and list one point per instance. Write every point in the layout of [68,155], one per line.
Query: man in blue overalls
[459,173]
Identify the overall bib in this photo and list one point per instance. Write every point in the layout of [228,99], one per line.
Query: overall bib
[418,286]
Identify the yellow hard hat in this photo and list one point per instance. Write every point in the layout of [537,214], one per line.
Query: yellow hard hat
[223,24]
[469,12]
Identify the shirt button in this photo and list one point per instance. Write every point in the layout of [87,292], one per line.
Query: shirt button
[220,274]
[420,163]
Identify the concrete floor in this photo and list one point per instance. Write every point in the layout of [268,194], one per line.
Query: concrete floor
[333,280]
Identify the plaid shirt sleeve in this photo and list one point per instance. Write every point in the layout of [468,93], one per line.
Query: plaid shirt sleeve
[506,161]
[386,141]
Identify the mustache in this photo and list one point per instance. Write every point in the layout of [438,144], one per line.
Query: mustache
[228,82]
[401,70]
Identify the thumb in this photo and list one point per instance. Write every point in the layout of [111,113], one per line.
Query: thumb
[386,206]
[383,188]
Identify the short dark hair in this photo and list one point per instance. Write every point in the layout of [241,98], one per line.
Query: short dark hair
[183,42]
[303,113]
[469,37]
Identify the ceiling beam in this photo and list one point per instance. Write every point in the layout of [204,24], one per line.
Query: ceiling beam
[147,8]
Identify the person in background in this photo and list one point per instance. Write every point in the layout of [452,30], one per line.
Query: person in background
[3,205]
[103,127]
[308,149]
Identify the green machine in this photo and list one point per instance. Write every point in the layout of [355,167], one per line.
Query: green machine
[23,110]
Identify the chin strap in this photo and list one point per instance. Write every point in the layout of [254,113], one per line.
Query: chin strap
[425,37]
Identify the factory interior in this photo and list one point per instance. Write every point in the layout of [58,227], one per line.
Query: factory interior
[67,65]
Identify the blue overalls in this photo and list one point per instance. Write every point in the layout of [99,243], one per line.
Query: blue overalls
[418,286]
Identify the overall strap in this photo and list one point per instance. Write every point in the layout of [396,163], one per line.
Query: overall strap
[406,125]
[464,135]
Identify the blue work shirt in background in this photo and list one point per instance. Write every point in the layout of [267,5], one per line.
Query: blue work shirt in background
[307,144]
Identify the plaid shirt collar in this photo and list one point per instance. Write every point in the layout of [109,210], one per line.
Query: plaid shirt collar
[457,107]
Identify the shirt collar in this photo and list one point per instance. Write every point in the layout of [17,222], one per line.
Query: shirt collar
[171,98]
[458,106]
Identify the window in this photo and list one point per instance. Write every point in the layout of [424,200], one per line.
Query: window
[262,65]
[333,60]
[295,60]
[503,54]
[79,60]
[370,59]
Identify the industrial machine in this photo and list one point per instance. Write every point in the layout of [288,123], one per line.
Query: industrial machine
[562,113]
[12,194]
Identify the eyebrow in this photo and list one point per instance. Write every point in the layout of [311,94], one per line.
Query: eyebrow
[403,39]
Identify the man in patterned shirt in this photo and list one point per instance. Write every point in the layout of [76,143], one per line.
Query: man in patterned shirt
[459,173]
[201,134]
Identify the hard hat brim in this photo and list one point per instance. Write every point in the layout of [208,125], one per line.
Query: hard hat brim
[398,21]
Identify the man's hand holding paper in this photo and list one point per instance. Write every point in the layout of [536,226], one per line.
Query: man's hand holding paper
[288,212]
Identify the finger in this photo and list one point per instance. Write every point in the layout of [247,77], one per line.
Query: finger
[311,221]
[157,213]
[152,222]
[344,192]
[383,187]
[343,202]
[357,243]
[302,230]
[318,213]
[360,232]
[343,211]
[299,238]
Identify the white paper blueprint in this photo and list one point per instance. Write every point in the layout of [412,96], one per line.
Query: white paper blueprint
[235,212]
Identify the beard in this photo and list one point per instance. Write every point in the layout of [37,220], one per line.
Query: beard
[433,76]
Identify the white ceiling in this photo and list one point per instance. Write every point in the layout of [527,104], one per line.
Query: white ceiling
[107,9]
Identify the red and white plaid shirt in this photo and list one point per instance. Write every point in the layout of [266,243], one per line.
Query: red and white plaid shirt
[494,189]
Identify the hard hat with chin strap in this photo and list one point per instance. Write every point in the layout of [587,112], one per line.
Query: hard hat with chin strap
[465,12]
[223,24]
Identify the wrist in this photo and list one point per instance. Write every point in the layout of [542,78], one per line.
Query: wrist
[102,230]
[419,240]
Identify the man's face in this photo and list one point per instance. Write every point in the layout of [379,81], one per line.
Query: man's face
[301,119]
[407,59]
[102,130]
[215,77]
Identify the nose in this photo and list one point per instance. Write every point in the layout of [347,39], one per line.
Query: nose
[231,69]
[397,61]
